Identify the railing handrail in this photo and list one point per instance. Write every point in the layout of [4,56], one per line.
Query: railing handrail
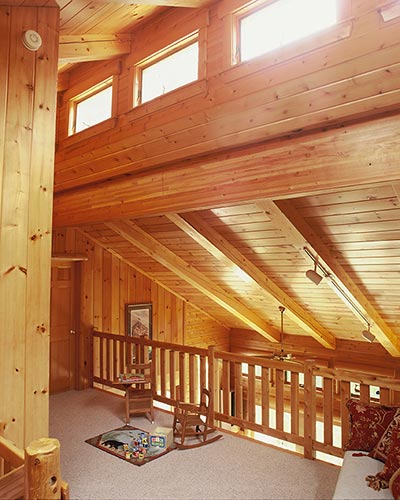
[288,392]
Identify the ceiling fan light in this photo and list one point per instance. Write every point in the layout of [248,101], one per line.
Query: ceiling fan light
[313,276]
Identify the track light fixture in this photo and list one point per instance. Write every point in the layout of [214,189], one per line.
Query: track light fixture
[341,292]
[367,334]
[313,276]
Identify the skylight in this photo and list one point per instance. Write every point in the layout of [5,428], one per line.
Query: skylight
[283,22]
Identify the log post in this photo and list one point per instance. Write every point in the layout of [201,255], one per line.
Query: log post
[42,470]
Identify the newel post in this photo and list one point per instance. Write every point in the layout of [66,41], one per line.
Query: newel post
[309,409]
[42,470]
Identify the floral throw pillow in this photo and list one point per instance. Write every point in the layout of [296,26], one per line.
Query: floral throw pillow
[382,448]
[367,424]
[392,464]
[394,485]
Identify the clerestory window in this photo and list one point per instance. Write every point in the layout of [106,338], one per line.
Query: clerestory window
[282,22]
[172,69]
[91,107]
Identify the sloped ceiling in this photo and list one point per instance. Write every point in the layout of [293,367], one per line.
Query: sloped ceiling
[239,261]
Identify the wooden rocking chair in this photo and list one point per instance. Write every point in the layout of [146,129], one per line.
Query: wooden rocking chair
[193,421]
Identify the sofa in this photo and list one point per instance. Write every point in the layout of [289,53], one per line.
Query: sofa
[351,483]
[371,462]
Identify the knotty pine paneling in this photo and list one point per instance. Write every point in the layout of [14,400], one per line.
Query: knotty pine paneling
[348,71]
[108,283]
[201,331]
[349,355]
[27,131]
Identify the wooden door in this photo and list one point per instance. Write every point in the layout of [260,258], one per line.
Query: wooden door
[62,328]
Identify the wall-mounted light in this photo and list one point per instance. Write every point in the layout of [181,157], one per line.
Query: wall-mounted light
[31,40]
[367,334]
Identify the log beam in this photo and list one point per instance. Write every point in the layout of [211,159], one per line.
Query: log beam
[194,226]
[301,231]
[324,160]
[150,246]
[82,48]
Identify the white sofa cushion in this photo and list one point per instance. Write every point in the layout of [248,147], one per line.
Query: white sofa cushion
[351,482]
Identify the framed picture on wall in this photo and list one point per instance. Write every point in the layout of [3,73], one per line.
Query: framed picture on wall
[139,320]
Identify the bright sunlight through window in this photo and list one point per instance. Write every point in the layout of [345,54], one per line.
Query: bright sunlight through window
[283,22]
[93,109]
[171,72]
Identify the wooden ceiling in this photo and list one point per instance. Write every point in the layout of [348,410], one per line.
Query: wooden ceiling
[100,29]
[239,256]
[239,263]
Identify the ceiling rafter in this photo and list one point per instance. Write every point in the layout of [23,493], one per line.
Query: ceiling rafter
[150,246]
[83,48]
[301,234]
[149,275]
[206,236]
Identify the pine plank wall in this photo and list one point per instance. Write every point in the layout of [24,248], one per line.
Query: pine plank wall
[107,284]
[229,106]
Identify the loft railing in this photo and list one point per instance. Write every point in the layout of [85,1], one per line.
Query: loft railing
[295,402]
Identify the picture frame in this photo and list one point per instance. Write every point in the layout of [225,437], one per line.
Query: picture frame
[139,320]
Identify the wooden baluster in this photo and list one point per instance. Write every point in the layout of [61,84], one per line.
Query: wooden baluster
[265,396]
[225,386]
[172,382]
[203,372]
[294,403]
[182,377]
[238,391]
[328,411]
[192,372]
[344,414]
[163,372]
[364,393]
[279,399]
[251,393]
[309,409]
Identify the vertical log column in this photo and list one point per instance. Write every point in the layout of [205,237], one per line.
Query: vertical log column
[42,470]
[27,134]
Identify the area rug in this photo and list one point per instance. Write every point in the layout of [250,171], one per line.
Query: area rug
[133,445]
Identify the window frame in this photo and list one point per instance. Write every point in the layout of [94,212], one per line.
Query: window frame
[257,5]
[83,96]
[158,56]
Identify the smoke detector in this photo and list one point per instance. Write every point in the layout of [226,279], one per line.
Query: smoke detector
[32,40]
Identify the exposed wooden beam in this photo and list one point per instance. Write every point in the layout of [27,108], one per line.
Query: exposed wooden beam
[303,232]
[206,236]
[81,48]
[149,275]
[150,246]
[326,160]
[75,257]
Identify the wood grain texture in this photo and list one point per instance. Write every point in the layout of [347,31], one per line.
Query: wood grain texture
[29,96]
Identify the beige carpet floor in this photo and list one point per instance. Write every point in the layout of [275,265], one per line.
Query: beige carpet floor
[230,468]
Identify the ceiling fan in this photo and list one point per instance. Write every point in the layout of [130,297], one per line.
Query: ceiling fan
[282,355]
